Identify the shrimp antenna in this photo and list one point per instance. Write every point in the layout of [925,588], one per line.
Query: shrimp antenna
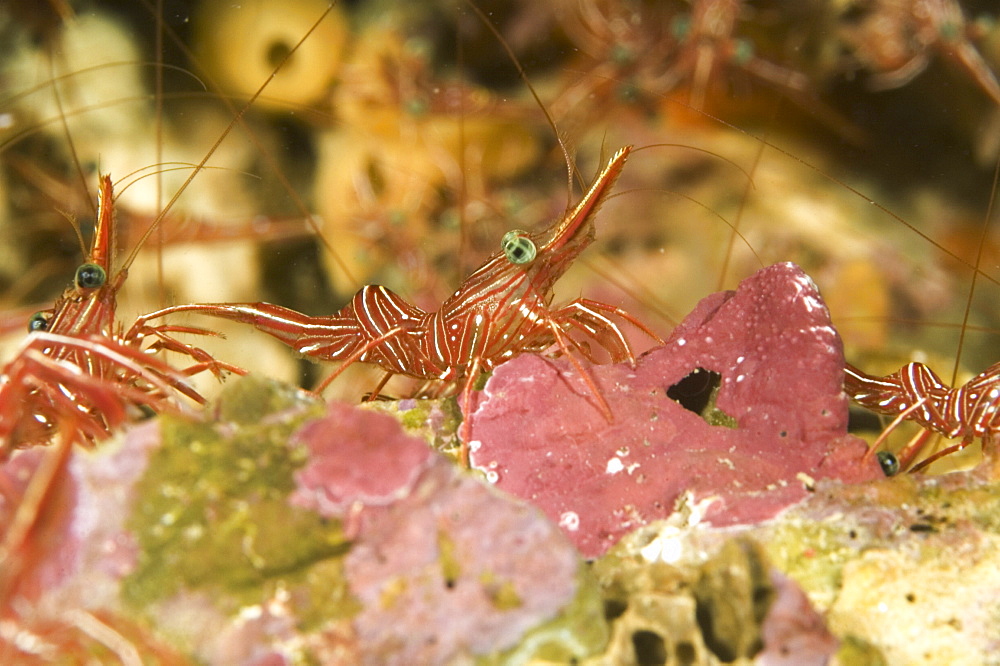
[218,142]
[524,77]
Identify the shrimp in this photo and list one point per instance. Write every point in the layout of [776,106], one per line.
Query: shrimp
[79,365]
[502,309]
[78,360]
[970,411]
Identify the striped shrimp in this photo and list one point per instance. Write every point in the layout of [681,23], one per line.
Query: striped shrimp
[662,250]
[81,367]
[504,308]
[915,392]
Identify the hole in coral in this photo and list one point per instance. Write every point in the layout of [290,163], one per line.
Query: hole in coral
[614,608]
[695,392]
[649,649]
[376,178]
[720,646]
[277,52]
[685,654]
[910,597]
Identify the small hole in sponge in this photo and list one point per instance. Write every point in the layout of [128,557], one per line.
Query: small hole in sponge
[694,392]
[277,52]
[649,649]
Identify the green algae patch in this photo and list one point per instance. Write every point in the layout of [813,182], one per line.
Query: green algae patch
[415,418]
[813,554]
[502,593]
[325,594]
[859,652]
[576,632]
[451,566]
[714,416]
[247,400]
[434,421]
[212,511]
[979,504]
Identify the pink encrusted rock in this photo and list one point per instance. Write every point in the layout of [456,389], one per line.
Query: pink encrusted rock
[538,431]
[358,458]
[444,567]
[794,633]
[456,571]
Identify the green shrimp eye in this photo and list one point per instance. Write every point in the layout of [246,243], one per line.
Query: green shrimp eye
[889,463]
[90,276]
[518,247]
[38,322]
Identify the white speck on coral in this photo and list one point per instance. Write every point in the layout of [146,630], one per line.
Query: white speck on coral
[666,547]
[740,359]
[570,521]
[623,451]
[614,466]
[475,445]
[812,303]
[492,476]
[740,378]
[681,342]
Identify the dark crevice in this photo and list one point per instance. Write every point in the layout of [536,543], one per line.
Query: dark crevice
[694,392]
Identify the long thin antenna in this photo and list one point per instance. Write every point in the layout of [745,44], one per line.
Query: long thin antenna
[975,273]
[237,119]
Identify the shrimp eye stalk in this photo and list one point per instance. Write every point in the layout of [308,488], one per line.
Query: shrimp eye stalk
[518,247]
[90,276]
[888,462]
[39,322]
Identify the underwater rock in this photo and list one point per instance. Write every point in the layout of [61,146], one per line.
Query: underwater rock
[910,565]
[356,460]
[443,566]
[733,595]
[287,531]
[721,602]
[793,632]
[742,408]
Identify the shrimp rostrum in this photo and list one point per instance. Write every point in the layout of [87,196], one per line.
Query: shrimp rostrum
[80,369]
[502,309]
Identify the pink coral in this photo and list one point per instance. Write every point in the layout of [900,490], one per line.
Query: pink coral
[356,458]
[444,567]
[538,433]
[794,633]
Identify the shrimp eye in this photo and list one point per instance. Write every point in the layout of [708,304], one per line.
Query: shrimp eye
[38,322]
[889,463]
[518,247]
[90,276]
